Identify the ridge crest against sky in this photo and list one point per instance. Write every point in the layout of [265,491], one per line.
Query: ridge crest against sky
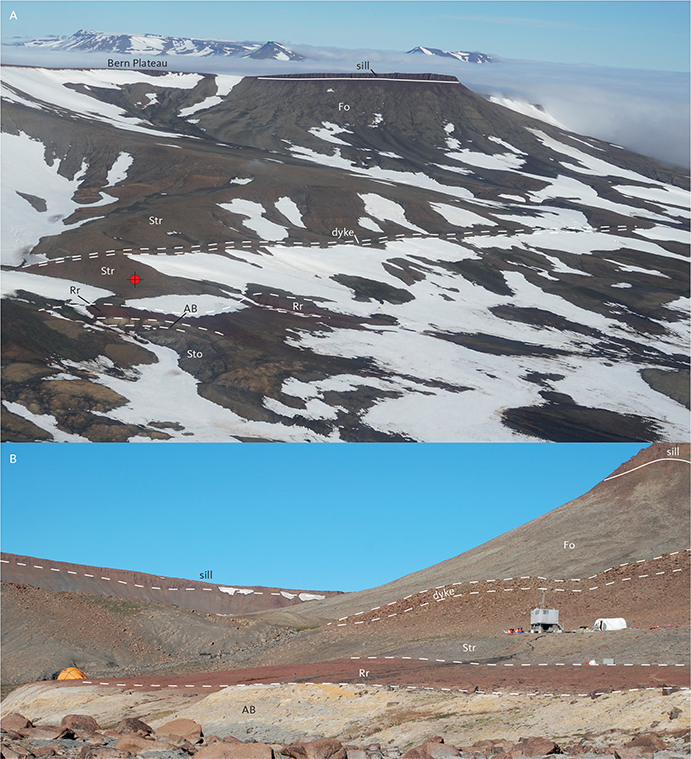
[652,35]
[617,71]
[330,517]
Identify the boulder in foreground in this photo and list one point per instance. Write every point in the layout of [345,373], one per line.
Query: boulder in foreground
[184,728]
[14,722]
[133,725]
[80,723]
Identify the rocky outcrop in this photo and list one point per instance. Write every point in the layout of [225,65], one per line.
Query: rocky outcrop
[322,748]
[236,750]
[14,722]
[134,725]
[80,723]
[186,729]
[80,737]
[534,746]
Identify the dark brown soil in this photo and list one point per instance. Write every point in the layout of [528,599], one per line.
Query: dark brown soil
[557,680]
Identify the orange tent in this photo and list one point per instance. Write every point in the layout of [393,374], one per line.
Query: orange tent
[71,673]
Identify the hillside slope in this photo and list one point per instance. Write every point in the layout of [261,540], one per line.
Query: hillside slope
[44,631]
[170,591]
[639,515]
[630,559]
[343,257]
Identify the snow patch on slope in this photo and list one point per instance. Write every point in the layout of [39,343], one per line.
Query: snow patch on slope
[460,217]
[181,401]
[387,210]
[568,188]
[54,288]
[50,90]
[175,304]
[590,164]
[389,176]
[25,171]
[328,132]
[208,102]
[256,221]
[497,161]
[226,82]
[527,109]
[499,141]
[45,422]
[118,171]
[366,223]
[289,208]
[664,193]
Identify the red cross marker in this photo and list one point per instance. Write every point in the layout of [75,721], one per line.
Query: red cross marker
[135,279]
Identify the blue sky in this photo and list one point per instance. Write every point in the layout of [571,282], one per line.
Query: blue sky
[618,71]
[640,34]
[311,517]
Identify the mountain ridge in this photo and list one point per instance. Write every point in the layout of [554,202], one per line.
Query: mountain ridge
[196,595]
[89,40]
[276,51]
[587,278]
[653,503]
[86,40]
[459,55]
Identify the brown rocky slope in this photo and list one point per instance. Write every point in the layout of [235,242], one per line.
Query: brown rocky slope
[642,514]
[45,630]
[171,591]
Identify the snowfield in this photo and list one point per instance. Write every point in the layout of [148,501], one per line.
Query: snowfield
[206,421]
[254,213]
[47,287]
[48,89]
[442,304]
[502,282]
[25,223]
[175,304]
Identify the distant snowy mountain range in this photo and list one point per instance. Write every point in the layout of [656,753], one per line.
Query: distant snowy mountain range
[156,44]
[458,55]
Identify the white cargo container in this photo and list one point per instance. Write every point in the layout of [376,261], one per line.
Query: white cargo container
[615,623]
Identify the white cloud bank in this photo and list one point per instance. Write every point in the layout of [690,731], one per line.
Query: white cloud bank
[644,111]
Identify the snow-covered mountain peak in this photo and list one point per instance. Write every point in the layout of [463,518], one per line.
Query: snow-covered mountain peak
[276,51]
[86,40]
[459,55]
